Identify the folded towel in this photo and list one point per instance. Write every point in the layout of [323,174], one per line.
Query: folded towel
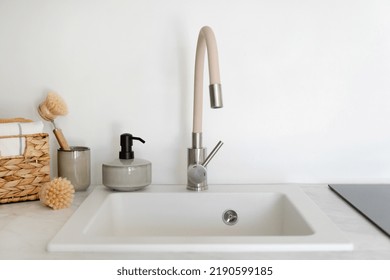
[15,146]
[14,120]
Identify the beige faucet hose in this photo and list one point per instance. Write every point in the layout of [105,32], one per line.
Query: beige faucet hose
[207,40]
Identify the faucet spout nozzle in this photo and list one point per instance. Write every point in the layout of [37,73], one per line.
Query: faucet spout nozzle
[216,96]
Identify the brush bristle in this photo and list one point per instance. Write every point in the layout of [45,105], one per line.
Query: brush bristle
[55,104]
[57,194]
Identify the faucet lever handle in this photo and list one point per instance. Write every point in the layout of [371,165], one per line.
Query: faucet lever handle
[212,154]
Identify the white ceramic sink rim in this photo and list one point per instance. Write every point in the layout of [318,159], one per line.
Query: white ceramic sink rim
[83,233]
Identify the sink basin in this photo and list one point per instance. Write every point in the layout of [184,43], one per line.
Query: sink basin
[233,218]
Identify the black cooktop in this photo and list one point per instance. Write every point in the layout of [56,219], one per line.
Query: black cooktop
[371,200]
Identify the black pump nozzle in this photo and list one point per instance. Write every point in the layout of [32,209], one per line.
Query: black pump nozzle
[127,146]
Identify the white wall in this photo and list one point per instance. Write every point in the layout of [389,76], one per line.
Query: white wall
[306,83]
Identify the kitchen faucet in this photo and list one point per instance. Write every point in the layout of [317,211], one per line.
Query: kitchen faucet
[197,161]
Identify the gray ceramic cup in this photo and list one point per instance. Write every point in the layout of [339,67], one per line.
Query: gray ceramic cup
[75,165]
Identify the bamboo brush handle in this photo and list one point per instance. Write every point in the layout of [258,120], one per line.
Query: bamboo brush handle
[61,139]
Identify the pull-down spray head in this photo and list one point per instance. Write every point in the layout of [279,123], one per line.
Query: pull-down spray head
[215,96]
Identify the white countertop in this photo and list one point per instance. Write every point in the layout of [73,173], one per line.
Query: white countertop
[27,227]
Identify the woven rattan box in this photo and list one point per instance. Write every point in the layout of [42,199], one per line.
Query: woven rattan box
[21,177]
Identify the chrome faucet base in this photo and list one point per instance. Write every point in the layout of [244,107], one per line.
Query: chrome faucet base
[197,189]
[195,158]
[197,164]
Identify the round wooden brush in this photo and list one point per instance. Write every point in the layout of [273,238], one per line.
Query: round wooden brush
[57,194]
[49,109]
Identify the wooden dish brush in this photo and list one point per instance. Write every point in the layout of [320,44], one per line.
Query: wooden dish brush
[57,194]
[49,109]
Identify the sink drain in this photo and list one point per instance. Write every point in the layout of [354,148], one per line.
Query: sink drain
[230,217]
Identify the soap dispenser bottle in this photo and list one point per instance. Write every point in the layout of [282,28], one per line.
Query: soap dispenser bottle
[127,173]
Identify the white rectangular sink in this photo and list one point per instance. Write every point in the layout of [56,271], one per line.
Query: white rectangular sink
[170,218]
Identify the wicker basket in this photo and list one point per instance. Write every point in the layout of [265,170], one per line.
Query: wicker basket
[21,177]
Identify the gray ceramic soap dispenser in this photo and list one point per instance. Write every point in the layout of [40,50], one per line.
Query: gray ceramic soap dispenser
[127,173]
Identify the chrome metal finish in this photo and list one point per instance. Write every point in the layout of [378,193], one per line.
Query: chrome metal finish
[197,162]
[197,178]
[230,217]
[212,154]
[216,96]
[198,188]
[196,168]
[195,158]
[197,140]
